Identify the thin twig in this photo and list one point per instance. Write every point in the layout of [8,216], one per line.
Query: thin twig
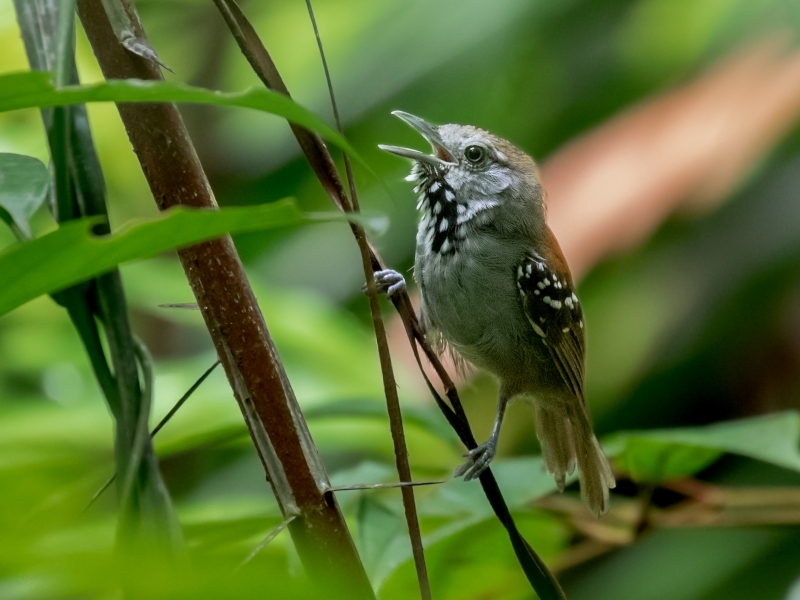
[157,428]
[382,486]
[184,398]
[389,383]
[645,506]
[263,544]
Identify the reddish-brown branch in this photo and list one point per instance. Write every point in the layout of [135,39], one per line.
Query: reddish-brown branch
[236,325]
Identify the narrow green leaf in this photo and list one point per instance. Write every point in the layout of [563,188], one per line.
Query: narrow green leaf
[72,254]
[380,530]
[426,419]
[38,24]
[660,455]
[35,90]
[65,40]
[23,188]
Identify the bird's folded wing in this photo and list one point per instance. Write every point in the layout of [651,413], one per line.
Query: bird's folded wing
[555,314]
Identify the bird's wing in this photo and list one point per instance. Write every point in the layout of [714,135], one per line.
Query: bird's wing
[554,313]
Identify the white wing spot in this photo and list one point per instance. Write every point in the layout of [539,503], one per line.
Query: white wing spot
[443,225]
[435,186]
[536,328]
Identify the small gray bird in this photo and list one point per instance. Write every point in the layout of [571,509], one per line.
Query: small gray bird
[496,289]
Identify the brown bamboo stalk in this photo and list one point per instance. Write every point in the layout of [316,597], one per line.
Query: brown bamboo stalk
[236,325]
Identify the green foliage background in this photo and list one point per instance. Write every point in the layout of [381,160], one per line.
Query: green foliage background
[698,324]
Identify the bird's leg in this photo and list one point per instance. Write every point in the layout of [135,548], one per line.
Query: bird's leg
[388,282]
[478,459]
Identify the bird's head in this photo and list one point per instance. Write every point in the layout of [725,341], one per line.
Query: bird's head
[481,171]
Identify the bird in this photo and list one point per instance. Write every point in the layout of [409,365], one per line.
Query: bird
[496,291]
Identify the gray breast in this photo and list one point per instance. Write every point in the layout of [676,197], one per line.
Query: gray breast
[470,296]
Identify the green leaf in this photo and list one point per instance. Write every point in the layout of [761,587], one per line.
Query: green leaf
[65,40]
[23,187]
[72,254]
[35,90]
[464,506]
[522,479]
[420,416]
[202,439]
[661,455]
[379,531]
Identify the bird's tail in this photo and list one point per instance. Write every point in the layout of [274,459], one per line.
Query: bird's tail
[567,438]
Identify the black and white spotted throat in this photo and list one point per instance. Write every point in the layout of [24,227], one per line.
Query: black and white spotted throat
[438,201]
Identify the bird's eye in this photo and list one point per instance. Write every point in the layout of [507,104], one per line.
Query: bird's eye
[474,154]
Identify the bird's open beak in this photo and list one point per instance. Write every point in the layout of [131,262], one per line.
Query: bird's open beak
[440,156]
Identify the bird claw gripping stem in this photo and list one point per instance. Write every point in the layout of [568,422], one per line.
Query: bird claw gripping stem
[388,282]
[478,460]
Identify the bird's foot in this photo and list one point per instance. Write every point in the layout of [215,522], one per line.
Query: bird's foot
[388,282]
[478,460]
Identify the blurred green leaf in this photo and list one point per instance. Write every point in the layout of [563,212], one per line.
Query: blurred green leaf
[684,563]
[215,431]
[430,420]
[665,454]
[72,254]
[470,558]
[35,90]
[195,441]
[522,480]
[378,529]
[23,187]
[463,506]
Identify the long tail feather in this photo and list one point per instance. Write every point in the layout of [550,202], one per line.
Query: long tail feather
[567,438]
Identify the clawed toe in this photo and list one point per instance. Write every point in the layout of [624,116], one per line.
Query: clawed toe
[477,462]
[388,282]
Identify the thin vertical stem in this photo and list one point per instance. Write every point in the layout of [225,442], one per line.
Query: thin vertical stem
[389,383]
